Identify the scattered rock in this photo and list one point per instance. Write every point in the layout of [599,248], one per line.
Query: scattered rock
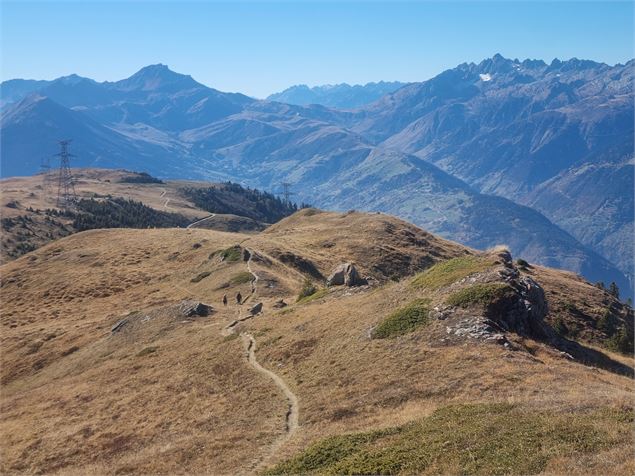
[256,309]
[506,257]
[440,314]
[246,254]
[279,304]
[345,274]
[566,355]
[117,327]
[195,308]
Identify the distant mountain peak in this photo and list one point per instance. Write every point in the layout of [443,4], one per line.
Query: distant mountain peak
[156,76]
[72,79]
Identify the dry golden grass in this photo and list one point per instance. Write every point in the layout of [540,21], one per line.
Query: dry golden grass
[173,395]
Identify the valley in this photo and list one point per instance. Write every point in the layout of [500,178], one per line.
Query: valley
[537,156]
[308,238]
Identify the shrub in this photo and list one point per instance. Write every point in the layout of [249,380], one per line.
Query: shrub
[241,278]
[200,276]
[478,294]
[403,320]
[606,322]
[308,289]
[450,271]
[316,295]
[147,351]
[622,341]
[522,263]
[232,253]
[70,351]
[614,290]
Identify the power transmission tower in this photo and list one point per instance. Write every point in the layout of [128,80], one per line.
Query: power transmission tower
[286,192]
[65,187]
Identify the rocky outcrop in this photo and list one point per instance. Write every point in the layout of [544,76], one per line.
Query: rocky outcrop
[345,274]
[519,307]
[195,309]
[256,309]
[279,304]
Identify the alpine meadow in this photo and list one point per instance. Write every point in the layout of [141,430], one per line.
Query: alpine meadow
[330,238]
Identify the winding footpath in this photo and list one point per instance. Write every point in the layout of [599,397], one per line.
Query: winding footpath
[201,220]
[292,414]
[167,200]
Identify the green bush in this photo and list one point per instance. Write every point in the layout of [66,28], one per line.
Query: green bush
[312,297]
[447,272]
[147,351]
[200,276]
[232,253]
[241,278]
[622,341]
[403,320]
[606,323]
[478,294]
[308,289]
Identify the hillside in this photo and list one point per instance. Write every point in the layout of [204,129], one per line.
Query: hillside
[123,199]
[366,379]
[553,142]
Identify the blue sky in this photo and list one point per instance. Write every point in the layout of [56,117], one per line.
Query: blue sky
[262,47]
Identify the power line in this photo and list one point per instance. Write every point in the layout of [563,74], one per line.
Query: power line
[286,191]
[66,195]
[47,175]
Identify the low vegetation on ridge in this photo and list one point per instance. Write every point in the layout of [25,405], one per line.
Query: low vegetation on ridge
[403,320]
[467,439]
[482,293]
[447,272]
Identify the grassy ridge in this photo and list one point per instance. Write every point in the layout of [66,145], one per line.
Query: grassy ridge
[447,272]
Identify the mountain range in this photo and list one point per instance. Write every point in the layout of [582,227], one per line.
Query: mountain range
[339,96]
[538,156]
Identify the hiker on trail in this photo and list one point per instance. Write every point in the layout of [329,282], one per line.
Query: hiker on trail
[224,299]
[239,298]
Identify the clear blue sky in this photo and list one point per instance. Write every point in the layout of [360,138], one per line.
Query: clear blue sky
[262,47]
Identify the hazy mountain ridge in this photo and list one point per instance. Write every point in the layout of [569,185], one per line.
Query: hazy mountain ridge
[172,126]
[339,96]
[516,129]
